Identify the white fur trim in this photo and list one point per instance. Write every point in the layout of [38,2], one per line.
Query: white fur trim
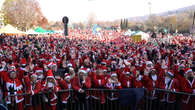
[190,70]
[67,77]
[39,71]
[149,63]
[50,77]
[19,87]
[118,84]
[55,97]
[64,102]
[50,64]
[34,75]
[170,73]
[82,71]
[83,81]
[69,64]
[53,104]
[127,72]
[114,74]
[24,69]
[104,63]
[1,69]
[80,90]
[99,81]
[32,92]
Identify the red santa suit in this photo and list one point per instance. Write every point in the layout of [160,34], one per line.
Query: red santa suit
[63,85]
[49,85]
[99,81]
[79,85]
[137,81]
[172,85]
[113,85]
[189,87]
[32,88]
[126,81]
[16,86]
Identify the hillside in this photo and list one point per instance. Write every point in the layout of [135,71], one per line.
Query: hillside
[168,13]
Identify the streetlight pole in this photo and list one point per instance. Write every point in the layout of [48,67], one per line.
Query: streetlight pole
[193,30]
[149,4]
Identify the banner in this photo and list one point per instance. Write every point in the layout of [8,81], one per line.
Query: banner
[136,38]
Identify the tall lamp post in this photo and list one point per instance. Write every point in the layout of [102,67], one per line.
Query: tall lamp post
[149,4]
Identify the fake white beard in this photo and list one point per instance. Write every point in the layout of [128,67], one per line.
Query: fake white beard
[154,77]
[167,79]
[49,85]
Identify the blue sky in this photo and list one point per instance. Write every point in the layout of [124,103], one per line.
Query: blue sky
[107,10]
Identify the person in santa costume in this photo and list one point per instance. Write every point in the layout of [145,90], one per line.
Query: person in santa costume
[113,83]
[33,87]
[137,80]
[150,82]
[39,73]
[63,85]
[188,85]
[80,83]
[171,84]
[127,79]
[50,84]
[66,96]
[98,81]
[13,84]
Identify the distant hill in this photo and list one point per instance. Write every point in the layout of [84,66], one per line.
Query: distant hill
[168,13]
[177,11]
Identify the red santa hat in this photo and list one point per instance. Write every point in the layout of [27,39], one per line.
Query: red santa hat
[83,70]
[38,70]
[67,76]
[104,62]
[149,63]
[51,64]
[50,74]
[69,65]
[102,68]
[126,71]
[187,70]
[51,59]
[33,75]
[113,54]
[23,61]
[12,68]
[113,75]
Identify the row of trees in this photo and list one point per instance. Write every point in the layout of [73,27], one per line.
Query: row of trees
[23,14]
[181,23]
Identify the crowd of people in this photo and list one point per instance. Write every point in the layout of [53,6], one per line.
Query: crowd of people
[34,64]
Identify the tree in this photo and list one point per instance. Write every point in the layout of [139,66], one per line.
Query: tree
[23,14]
